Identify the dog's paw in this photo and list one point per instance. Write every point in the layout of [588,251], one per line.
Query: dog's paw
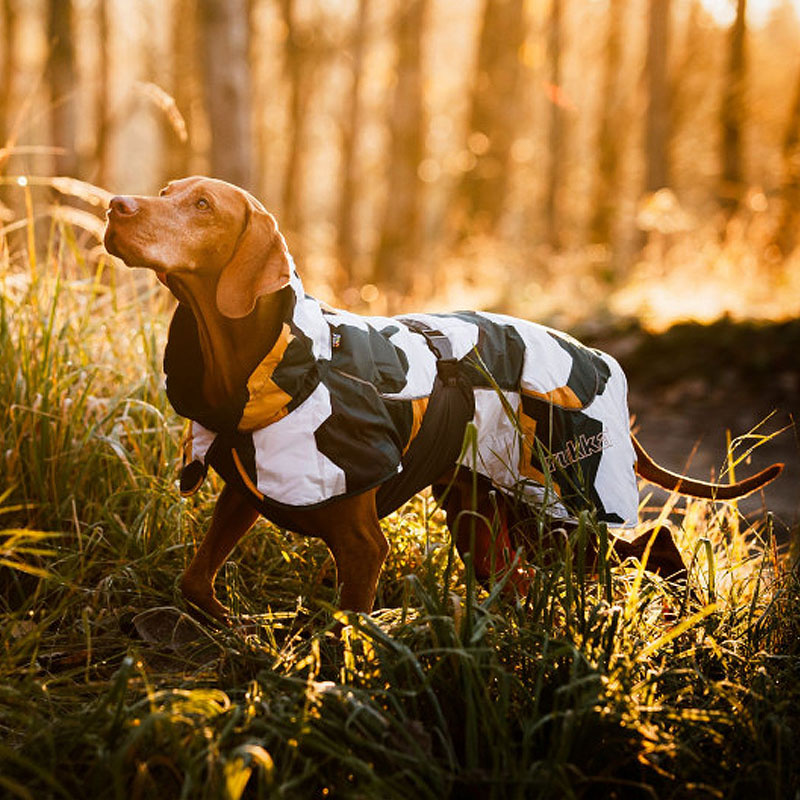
[202,599]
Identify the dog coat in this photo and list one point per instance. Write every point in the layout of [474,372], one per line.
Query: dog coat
[343,403]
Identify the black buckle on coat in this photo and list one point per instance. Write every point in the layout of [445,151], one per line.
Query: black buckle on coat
[446,364]
[447,370]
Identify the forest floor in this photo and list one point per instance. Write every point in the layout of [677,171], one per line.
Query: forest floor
[694,383]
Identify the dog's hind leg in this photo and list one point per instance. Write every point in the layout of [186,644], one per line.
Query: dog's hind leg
[664,558]
[482,532]
[351,529]
[233,516]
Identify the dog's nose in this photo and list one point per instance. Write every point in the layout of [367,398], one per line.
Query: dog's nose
[124,206]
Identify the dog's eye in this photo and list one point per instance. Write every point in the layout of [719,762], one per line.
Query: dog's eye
[202,204]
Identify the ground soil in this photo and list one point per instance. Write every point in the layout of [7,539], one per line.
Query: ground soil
[692,384]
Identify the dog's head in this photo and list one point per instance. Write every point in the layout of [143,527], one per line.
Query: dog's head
[207,229]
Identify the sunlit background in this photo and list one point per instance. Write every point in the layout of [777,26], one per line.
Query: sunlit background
[610,167]
[558,159]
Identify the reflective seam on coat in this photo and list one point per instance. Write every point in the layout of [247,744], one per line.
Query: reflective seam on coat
[418,407]
[267,403]
[563,397]
[244,476]
[526,467]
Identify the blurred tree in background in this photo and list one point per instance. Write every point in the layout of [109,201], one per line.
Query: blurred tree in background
[9,66]
[225,59]
[400,230]
[62,81]
[350,128]
[608,144]
[417,146]
[657,128]
[790,211]
[733,112]
[494,114]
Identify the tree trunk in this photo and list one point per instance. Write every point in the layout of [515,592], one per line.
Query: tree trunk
[184,88]
[608,144]
[9,67]
[224,42]
[300,68]
[61,80]
[102,96]
[686,91]
[786,237]
[8,123]
[350,129]
[732,114]
[657,123]
[494,113]
[556,133]
[400,233]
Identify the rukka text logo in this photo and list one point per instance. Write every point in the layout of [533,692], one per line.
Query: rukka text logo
[577,449]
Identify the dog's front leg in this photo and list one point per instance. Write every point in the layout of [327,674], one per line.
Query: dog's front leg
[233,517]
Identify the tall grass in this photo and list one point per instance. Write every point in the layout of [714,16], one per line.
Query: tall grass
[591,686]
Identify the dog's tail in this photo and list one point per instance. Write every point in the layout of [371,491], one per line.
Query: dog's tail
[653,473]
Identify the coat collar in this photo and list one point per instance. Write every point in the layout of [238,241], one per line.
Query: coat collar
[285,377]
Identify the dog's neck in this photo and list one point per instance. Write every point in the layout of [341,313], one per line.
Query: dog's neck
[231,348]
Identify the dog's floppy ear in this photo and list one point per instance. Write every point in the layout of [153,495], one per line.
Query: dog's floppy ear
[259,264]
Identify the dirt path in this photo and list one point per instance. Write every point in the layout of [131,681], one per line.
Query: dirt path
[692,440]
[692,384]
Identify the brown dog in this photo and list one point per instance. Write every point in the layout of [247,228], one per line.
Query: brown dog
[221,254]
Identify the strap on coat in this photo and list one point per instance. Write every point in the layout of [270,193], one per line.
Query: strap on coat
[437,446]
